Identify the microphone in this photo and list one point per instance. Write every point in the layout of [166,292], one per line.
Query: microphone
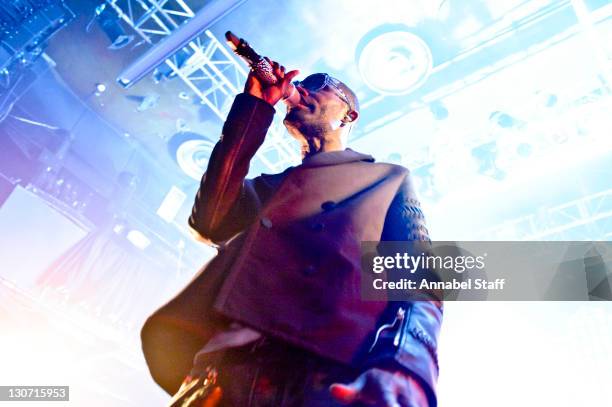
[262,68]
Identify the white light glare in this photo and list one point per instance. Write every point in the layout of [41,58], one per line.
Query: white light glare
[138,239]
[171,204]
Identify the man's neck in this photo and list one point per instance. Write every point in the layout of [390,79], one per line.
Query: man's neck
[314,146]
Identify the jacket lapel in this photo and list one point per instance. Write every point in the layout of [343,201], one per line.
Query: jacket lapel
[326,178]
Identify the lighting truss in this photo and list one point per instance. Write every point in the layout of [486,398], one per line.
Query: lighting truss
[502,36]
[593,212]
[210,70]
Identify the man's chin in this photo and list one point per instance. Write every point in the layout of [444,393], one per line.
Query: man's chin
[293,117]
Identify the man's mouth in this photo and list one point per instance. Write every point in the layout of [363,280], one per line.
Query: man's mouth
[305,105]
[300,106]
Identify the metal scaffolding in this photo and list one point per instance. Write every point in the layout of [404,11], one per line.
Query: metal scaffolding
[206,66]
[587,218]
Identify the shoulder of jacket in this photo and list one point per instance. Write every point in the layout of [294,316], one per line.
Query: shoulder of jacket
[274,179]
[392,168]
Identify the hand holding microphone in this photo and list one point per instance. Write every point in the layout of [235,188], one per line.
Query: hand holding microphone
[272,93]
[267,79]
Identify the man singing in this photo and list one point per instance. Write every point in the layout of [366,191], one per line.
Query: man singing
[276,318]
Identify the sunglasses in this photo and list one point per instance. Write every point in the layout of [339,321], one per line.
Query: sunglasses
[318,81]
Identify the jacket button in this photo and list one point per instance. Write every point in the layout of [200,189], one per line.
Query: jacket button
[328,205]
[317,227]
[266,223]
[309,270]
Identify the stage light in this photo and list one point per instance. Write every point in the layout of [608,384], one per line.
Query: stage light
[171,204]
[438,110]
[192,156]
[109,22]
[148,102]
[191,152]
[138,239]
[504,120]
[486,158]
[100,88]
[165,72]
[392,60]
[119,228]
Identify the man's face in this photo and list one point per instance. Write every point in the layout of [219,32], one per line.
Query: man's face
[317,112]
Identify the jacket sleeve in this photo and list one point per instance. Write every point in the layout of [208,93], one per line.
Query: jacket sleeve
[418,321]
[226,203]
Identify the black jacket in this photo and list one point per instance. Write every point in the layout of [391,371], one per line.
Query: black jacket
[289,259]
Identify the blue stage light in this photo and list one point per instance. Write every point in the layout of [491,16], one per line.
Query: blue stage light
[393,61]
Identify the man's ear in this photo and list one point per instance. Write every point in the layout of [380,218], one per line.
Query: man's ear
[350,117]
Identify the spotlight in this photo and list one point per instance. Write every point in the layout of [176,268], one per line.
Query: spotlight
[438,110]
[109,22]
[486,156]
[171,204]
[138,239]
[191,151]
[120,227]
[165,72]
[503,120]
[392,60]
[148,102]
[100,88]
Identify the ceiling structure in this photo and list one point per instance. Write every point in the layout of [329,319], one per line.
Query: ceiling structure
[311,36]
